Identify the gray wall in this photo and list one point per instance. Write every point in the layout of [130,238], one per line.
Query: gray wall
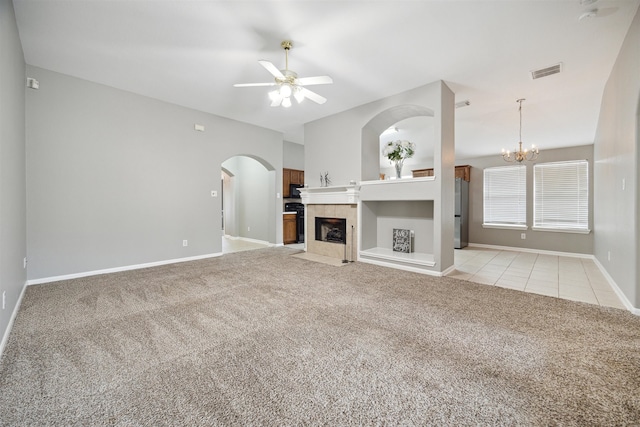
[334,144]
[116,179]
[540,240]
[12,165]
[347,145]
[616,157]
[293,155]
[416,216]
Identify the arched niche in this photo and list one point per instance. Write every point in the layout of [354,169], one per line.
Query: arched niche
[370,147]
[420,130]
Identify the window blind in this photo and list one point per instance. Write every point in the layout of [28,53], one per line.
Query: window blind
[561,195]
[505,196]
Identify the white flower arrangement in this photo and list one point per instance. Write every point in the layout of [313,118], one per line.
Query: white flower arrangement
[397,151]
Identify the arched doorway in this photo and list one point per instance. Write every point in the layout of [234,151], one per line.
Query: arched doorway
[248,208]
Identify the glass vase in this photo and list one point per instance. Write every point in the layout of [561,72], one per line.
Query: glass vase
[398,165]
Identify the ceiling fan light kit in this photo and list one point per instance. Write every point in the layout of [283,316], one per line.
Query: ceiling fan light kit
[288,83]
[520,155]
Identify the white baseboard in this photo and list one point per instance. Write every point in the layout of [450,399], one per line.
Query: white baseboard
[118,269]
[449,270]
[534,251]
[402,267]
[7,331]
[623,298]
[616,288]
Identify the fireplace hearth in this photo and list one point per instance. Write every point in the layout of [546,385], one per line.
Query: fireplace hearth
[331,230]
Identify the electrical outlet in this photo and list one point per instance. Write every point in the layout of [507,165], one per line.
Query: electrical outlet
[523,236]
[185,243]
[248,228]
[214,193]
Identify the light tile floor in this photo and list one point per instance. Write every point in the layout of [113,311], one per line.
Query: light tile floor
[577,279]
[230,245]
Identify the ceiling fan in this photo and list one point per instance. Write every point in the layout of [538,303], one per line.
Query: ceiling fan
[288,83]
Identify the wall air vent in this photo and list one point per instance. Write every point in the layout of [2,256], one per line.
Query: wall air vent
[544,72]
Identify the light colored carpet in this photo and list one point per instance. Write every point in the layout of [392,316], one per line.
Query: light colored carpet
[263,338]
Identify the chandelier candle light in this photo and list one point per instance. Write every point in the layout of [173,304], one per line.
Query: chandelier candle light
[520,155]
[397,152]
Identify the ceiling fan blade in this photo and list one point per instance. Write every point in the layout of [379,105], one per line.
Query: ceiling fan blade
[313,96]
[271,68]
[253,84]
[318,80]
[276,102]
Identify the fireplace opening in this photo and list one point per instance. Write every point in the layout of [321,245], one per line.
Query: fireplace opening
[332,230]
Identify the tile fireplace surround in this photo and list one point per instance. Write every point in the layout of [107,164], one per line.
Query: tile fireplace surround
[331,202]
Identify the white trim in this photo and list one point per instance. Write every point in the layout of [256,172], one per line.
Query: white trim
[416,258]
[506,226]
[449,270]
[535,251]
[616,289]
[397,181]
[563,230]
[400,267]
[118,269]
[7,331]
[341,195]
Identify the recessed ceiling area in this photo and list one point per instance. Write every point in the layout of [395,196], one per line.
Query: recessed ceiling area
[192,52]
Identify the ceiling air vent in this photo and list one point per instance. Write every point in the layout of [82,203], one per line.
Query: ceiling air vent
[544,72]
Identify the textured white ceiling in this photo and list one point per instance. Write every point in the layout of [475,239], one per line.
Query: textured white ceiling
[191,53]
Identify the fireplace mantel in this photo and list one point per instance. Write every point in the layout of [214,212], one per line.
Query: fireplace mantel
[336,195]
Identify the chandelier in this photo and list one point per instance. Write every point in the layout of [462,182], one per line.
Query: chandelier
[520,155]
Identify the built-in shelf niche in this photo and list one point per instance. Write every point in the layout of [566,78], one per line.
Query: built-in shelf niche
[380,217]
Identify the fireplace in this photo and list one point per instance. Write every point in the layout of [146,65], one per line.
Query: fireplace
[331,230]
[340,217]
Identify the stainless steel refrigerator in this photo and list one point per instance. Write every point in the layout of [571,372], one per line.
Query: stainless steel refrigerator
[461,222]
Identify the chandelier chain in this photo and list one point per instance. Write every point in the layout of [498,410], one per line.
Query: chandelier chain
[519,155]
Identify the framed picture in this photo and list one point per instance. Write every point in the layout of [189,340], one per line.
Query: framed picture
[402,240]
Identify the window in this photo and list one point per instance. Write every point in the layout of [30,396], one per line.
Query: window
[505,197]
[561,196]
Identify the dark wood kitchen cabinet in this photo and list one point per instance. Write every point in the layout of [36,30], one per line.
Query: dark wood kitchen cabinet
[463,172]
[289,229]
[291,176]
